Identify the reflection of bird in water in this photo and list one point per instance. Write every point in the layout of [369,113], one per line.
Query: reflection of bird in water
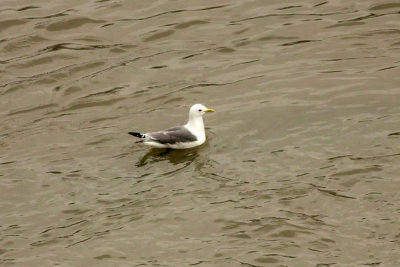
[190,135]
[175,157]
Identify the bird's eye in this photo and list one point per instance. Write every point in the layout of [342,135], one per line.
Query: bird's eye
[199,109]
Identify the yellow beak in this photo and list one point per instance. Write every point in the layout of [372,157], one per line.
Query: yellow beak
[209,110]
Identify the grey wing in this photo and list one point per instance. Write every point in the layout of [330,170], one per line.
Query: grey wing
[179,134]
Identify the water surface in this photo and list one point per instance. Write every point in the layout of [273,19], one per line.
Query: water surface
[301,166]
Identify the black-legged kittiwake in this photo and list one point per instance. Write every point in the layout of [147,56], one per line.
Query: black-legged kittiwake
[186,136]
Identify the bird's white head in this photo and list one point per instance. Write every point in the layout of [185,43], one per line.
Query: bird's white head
[199,110]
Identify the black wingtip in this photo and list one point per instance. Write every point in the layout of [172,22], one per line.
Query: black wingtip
[136,134]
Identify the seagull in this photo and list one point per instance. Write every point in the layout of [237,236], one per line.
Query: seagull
[179,137]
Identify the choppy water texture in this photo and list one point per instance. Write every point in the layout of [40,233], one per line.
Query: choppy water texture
[302,162]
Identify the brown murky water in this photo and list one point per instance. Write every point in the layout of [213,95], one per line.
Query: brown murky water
[302,162]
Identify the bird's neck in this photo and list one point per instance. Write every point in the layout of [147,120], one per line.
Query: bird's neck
[196,123]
